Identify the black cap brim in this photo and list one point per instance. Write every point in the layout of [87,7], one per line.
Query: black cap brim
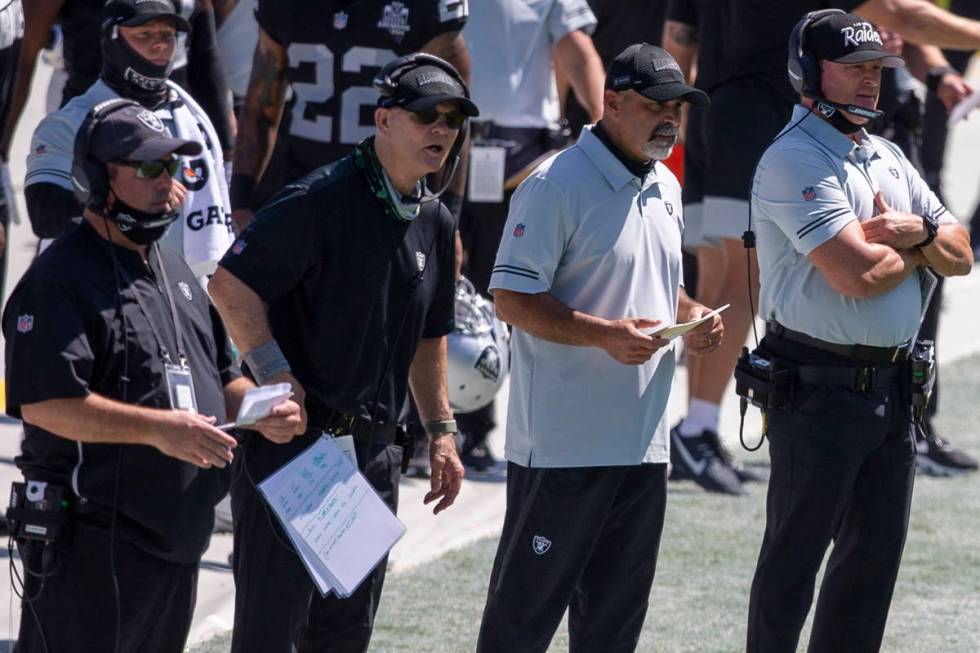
[432,101]
[180,23]
[157,148]
[675,91]
[887,60]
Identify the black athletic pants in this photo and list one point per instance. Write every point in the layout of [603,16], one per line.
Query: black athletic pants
[74,607]
[843,464]
[583,538]
[277,607]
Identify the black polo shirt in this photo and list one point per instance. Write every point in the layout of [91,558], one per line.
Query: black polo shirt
[761,48]
[69,333]
[350,289]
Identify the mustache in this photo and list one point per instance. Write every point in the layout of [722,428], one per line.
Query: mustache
[664,130]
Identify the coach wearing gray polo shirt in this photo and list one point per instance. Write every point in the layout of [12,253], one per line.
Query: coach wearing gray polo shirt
[845,228]
[589,262]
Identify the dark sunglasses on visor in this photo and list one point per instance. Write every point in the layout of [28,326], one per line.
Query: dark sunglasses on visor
[152,169]
[454,119]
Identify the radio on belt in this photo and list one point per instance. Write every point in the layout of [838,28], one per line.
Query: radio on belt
[38,511]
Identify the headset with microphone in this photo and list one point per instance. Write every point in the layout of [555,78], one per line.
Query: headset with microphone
[386,82]
[89,177]
[804,68]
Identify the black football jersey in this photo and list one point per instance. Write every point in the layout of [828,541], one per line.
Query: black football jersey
[334,50]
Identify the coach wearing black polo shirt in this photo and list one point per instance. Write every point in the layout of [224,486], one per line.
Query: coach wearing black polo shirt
[343,286]
[119,367]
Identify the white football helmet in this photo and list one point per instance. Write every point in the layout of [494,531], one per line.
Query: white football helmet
[478,351]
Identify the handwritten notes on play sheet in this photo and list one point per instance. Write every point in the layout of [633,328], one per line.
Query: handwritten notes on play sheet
[339,525]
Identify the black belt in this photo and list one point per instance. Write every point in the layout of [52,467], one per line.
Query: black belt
[863,378]
[856,353]
[337,423]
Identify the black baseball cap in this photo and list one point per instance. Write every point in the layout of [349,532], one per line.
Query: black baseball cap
[653,73]
[427,86]
[131,13]
[134,133]
[846,38]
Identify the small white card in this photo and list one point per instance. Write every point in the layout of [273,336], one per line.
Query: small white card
[258,403]
[671,332]
[486,179]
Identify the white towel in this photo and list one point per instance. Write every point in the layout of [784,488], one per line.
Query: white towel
[206,214]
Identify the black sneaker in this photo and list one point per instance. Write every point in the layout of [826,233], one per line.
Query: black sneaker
[697,459]
[936,457]
[744,474]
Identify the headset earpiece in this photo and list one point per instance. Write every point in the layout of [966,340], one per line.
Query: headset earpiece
[89,177]
[803,67]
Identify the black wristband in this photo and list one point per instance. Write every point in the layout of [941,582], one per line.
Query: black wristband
[935,76]
[241,189]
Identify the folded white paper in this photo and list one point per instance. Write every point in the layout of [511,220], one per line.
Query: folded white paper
[258,403]
[674,330]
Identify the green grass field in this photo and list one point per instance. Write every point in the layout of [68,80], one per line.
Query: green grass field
[707,556]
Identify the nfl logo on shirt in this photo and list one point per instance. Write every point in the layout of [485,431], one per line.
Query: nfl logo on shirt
[420,260]
[809,194]
[25,323]
[519,230]
[340,20]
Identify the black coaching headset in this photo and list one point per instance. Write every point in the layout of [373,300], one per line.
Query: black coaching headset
[89,177]
[804,68]
[386,82]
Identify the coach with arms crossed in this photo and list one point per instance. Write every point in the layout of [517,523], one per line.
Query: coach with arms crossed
[845,225]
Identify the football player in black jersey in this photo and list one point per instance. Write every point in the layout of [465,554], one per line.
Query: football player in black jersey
[327,52]
[196,67]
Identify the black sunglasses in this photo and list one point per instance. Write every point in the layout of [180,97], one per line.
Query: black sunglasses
[454,119]
[152,169]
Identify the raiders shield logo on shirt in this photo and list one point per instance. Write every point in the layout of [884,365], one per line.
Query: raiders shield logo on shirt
[541,544]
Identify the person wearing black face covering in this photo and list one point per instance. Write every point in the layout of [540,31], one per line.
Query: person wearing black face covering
[111,343]
[139,46]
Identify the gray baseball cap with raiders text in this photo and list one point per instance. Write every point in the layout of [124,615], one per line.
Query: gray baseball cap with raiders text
[653,73]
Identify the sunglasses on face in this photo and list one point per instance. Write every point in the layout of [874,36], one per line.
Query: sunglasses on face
[454,119]
[153,169]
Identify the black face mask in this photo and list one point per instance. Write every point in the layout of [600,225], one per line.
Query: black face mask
[138,226]
[130,75]
[836,118]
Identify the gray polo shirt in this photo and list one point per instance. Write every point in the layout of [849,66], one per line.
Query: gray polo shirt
[511,46]
[584,229]
[810,183]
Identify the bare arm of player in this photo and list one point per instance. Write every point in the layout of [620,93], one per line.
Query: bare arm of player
[681,41]
[581,64]
[427,378]
[245,315]
[920,59]
[921,21]
[39,17]
[260,117]
[949,254]
[857,268]
[94,418]
[544,316]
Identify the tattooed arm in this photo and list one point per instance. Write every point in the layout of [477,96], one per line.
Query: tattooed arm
[259,121]
[681,41]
